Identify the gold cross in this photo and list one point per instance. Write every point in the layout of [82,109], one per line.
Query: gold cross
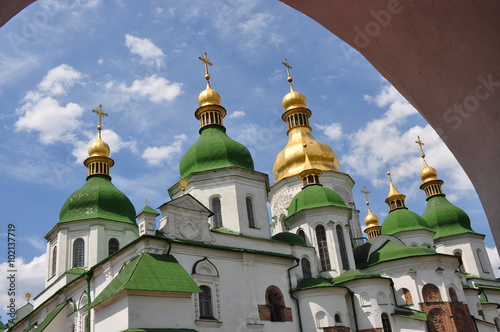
[207,63]
[420,144]
[100,114]
[288,67]
[366,192]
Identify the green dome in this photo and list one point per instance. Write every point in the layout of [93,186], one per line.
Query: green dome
[314,196]
[403,220]
[391,251]
[289,238]
[213,150]
[445,218]
[98,199]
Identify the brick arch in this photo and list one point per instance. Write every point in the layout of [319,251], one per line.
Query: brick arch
[431,293]
[437,320]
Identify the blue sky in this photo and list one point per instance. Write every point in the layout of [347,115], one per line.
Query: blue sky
[139,59]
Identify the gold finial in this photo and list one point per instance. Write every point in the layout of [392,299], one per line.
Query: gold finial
[395,199]
[146,201]
[207,63]
[288,67]
[27,296]
[183,183]
[100,114]
[366,192]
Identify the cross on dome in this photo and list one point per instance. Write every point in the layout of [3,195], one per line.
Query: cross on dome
[207,63]
[100,114]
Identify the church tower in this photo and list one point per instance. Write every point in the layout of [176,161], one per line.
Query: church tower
[219,172]
[303,151]
[95,221]
[454,234]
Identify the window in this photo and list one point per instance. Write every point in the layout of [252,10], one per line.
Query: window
[79,253]
[251,219]
[276,304]
[458,253]
[481,260]
[343,251]
[216,209]
[321,320]
[54,261]
[306,268]
[431,293]
[323,248]
[205,300]
[338,319]
[113,246]
[386,323]
[453,295]
[302,234]
[407,296]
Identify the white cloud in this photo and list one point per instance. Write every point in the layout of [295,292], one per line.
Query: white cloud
[237,114]
[158,155]
[384,140]
[333,131]
[156,89]
[494,260]
[54,122]
[150,54]
[30,277]
[59,79]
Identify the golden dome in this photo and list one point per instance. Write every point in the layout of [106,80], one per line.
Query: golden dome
[371,220]
[428,173]
[291,160]
[99,148]
[209,97]
[293,99]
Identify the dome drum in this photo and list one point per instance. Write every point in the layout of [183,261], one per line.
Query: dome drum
[210,114]
[296,117]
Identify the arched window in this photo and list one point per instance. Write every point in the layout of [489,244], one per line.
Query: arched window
[216,209]
[386,323]
[251,219]
[321,320]
[276,304]
[458,253]
[437,320]
[306,268]
[323,248]
[407,296]
[343,250]
[302,234]
[205,300]
[113,246]
[338,319]
[54,261]
[481,260]
[431,293]
[79,253]
[453,295]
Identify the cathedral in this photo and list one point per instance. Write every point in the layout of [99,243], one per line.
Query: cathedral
[212,258]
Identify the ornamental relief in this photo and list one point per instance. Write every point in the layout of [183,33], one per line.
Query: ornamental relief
[188,228]
[421,267]
[281,200]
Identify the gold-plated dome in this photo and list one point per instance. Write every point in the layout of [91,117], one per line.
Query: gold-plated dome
[371,219]
[431,184]
[99,148]
[293,99]
[209,97]
[395,199]
[301,146]
[428,173]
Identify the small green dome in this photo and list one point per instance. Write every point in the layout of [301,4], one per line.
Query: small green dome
[213,150]
[314,196]
[98,199]
[403,220]
[445,218]
[289,238]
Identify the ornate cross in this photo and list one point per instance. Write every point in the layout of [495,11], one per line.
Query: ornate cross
[100,114]
[207,63]
[288,67]
[420,144]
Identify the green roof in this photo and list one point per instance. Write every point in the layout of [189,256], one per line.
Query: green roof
[2,326]
[403,220]
[98,199]
[314,196]
[291,238]
[411,314]
[388,251]
[149,272]
[350,275]
[213,150]
[314,283]
[445,218]
[50,317]
[148,209]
